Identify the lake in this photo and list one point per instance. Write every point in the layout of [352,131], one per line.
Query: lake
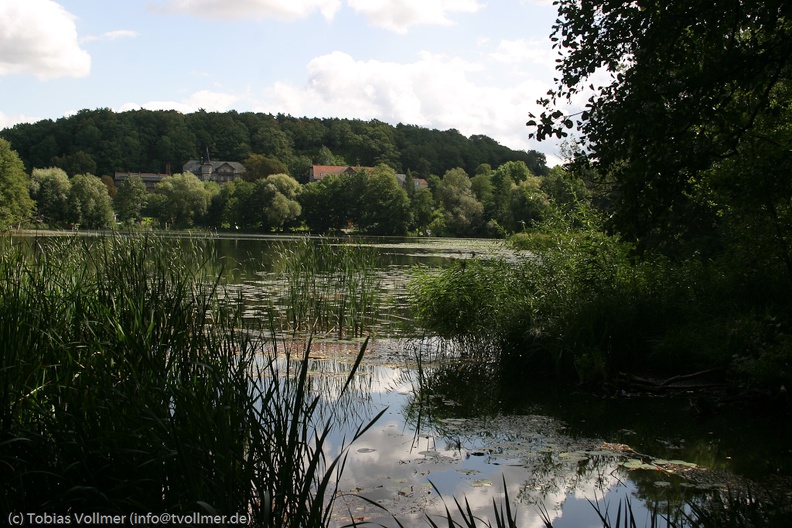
[458,429]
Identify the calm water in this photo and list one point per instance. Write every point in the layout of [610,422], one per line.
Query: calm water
[467,431]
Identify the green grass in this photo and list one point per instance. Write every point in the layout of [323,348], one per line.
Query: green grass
[129,384]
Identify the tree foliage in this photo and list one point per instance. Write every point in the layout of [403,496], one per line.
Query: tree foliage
[528,204]
[130,199]
[385,207]
[102,142]
[324,203]
[181,200]
[258,166]
[694,91]
[268,203]
[89,202]
[15,202]
[49,188]
[462,212]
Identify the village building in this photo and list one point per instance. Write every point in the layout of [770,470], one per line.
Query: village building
[418,183]
[150,179]
[216,171]
[206,170]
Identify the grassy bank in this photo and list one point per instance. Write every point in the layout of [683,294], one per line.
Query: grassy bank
[128,384]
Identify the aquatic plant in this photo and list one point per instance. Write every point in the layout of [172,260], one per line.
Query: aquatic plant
[504,517]
[129,384]
[328,288]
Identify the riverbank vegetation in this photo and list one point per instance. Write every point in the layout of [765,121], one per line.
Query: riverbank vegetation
[579,304]
[128,384]
[326,289]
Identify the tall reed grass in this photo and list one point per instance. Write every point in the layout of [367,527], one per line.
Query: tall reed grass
[329,288]
[128,384]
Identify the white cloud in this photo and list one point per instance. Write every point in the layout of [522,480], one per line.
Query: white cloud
[536,51]
[111,35]
[39,37]
[257,9]
[7,121]
[401,15]
[436,91]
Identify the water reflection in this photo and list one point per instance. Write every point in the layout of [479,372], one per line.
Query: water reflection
[441,442]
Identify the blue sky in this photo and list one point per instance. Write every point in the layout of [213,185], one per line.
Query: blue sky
[474,65]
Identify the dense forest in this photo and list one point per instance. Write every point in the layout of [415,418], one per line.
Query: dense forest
[101,142]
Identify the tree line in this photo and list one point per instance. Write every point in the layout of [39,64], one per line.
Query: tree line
[490,202]
[103,142]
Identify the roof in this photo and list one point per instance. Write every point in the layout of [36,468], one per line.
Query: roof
[194,166]
[320,171]
[145,176]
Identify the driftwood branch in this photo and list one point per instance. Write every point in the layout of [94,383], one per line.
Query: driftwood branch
[695,380]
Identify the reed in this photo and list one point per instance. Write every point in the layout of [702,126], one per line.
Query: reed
[327,288]
[130,384]
[504,516]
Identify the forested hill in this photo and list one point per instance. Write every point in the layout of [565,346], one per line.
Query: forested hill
[101,142]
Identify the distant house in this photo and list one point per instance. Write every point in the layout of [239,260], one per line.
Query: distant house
[150,179]
[216,171]
[206,170]
[418,183]
[318,172]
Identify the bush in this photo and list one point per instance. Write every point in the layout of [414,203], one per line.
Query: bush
[580,303]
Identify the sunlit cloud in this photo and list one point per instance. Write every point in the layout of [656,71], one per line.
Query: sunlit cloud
[111,35]
[436,91]
[535,51]
[39,37]
[252,9]
[401,15]
[7,121]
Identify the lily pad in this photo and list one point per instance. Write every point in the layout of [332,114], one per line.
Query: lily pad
[634,463]
[683,463]
[574,457]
